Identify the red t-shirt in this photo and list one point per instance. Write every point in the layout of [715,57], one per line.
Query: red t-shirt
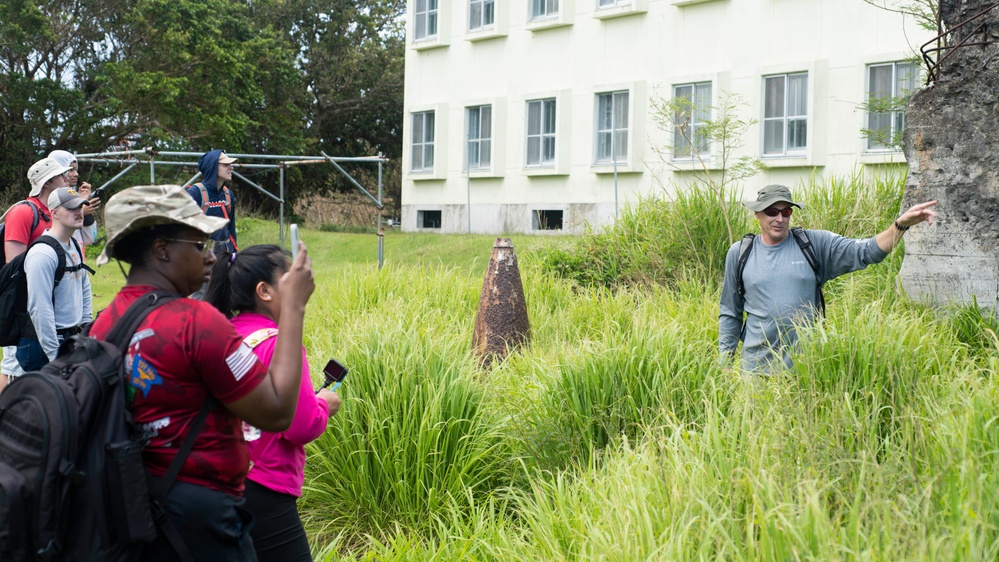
[181,352]
[19,219]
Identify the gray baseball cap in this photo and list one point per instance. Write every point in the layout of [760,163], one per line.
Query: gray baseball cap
[769,195]
[65,197]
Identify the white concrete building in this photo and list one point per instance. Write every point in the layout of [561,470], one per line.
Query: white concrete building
[515,110]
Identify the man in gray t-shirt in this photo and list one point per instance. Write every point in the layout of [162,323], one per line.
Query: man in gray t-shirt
[780,284]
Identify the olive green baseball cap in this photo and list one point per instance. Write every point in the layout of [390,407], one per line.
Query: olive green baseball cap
[144,206]
[769,195]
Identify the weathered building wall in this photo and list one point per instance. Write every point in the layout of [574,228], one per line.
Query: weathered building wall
[952,147]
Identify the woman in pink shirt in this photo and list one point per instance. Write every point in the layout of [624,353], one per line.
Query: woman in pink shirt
[244,288]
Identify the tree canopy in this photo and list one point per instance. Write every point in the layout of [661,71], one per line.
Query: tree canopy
[270,76]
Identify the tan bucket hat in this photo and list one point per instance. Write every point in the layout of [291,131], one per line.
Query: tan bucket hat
[144,206]
[42,171]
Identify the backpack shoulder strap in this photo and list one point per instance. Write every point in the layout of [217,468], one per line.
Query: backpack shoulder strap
[82,264]
[34,215]
[745,247]
[128,323]
[228,196]
[204,196]
[259,337]
[801,237]
[60,253]
[805,245]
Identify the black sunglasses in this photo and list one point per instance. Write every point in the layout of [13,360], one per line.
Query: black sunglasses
[774,211]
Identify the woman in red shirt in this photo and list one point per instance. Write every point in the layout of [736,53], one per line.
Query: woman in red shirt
[186,353]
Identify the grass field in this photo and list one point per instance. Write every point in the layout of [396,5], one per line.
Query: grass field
[615,435]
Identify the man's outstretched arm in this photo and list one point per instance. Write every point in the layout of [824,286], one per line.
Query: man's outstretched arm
[916,214]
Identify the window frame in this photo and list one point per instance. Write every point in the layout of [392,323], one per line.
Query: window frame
[551,9]
[548,115]
[896,119]
[701,101]
[786,120]
[424,143]
[429,16]
[479,140]
[619,99]
[486,7]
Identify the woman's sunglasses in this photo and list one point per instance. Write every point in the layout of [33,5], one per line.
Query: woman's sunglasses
[774,211]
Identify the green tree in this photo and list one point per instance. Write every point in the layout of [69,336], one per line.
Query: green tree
[352,56]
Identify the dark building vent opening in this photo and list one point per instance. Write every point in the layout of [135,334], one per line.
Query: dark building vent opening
[428,219]
[547,220]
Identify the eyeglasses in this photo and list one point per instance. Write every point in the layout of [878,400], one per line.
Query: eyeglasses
[206,247]
[774,211]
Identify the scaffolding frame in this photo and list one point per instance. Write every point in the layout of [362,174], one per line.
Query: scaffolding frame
[132,158]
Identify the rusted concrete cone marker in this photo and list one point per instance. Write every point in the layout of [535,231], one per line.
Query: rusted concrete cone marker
[501,322]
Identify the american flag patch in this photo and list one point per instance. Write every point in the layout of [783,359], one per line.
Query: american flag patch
[241,361]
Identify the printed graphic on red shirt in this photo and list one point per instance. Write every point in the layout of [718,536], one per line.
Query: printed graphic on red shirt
[179,356]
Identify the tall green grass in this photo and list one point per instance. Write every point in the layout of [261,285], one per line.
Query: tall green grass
[615,435]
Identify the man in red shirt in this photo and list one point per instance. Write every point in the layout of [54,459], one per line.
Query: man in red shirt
[45,176]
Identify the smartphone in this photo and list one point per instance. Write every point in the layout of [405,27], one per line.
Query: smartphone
[294,241]
[334,374]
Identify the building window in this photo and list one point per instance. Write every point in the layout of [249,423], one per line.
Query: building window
[888,88]
[541,9]
[481,14]
[785,114]
[546,220]
[425,25]
[423,142]
[611,3]
[693,110]
[541,132]
[479,127]
[612,127]
[428,219]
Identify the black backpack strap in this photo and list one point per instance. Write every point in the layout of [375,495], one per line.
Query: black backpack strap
[805,245]
[161,489]
[745,247]
[128,323]
[82,264]
[120,336]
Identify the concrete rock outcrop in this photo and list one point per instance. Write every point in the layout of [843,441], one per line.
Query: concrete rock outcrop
[951,143]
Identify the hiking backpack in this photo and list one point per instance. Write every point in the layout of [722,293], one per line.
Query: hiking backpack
[804,244]
[3,225]
[73,485]
[226,207]
[14,320]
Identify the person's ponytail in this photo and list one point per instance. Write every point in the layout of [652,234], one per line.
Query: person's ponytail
[233,288]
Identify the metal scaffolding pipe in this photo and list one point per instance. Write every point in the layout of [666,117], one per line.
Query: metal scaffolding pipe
[120,174]
[131,158]
[353,181]
[260,189]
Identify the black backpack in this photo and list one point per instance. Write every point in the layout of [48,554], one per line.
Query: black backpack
[14,320]
[73,485]
[3,225]
[804,244]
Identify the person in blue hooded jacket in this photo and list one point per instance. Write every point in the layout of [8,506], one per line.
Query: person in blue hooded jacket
[214,196]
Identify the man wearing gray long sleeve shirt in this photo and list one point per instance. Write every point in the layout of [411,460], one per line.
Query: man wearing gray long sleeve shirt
[56,310]
[780,285]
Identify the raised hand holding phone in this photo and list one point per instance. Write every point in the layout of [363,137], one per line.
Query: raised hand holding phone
[294,240]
